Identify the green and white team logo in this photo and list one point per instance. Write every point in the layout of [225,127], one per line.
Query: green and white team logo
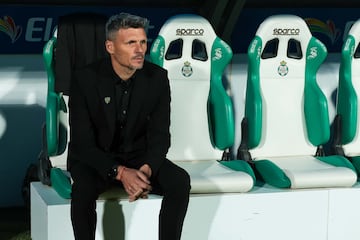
[187,70]
[283,69]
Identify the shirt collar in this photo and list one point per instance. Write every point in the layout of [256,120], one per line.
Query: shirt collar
[119,80]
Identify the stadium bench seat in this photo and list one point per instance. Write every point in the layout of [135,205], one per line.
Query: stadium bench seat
[286,120]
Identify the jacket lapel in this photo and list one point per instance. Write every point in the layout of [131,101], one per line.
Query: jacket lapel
[107,100]
[137,99]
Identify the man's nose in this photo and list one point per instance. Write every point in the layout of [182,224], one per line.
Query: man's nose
[140,47]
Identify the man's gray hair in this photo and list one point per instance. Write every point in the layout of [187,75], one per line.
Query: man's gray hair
[124,21]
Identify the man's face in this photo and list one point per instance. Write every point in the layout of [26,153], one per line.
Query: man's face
[128,49]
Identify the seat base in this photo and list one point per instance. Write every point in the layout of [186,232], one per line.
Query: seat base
[307,171]
[213,176]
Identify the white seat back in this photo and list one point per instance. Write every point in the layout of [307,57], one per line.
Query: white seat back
[187,41]
[281,73]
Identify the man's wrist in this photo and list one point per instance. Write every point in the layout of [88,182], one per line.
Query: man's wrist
[113,172]
[121,171]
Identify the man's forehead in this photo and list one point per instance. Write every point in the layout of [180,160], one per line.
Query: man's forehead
[132,33]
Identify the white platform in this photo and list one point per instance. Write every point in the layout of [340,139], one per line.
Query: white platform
[263,213]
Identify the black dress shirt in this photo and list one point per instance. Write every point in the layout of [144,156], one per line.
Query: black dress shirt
[122,93]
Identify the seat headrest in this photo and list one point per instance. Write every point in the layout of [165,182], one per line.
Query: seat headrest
[352,42]
[189,26]
[284,26]
[355,30]
[188,47]
[282,37]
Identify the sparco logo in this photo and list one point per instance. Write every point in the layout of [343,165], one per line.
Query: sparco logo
[189,32]
[286,31]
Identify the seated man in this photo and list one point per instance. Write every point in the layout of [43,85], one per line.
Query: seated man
[119,132]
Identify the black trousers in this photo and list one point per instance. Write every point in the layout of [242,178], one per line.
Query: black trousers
[172,182]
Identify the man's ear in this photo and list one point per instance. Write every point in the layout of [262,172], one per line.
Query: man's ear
[109,45]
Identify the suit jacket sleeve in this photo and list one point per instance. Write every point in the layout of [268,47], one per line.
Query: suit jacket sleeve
[158,134]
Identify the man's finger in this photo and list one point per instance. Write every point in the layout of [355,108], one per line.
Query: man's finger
[143,177]
[136,195]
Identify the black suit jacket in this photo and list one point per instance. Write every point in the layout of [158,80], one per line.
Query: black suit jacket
[92,118]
